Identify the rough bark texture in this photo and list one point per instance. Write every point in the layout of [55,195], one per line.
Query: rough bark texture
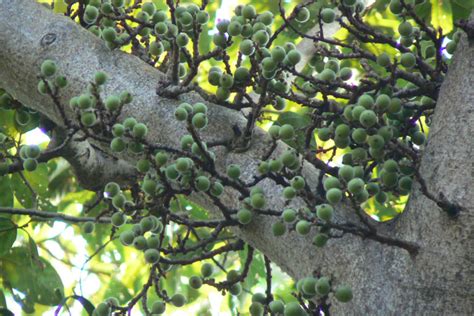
[386,280]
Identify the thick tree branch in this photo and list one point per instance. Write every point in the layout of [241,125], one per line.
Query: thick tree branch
[53,216]
[383,277]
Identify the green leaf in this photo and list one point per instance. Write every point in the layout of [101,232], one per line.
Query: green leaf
[59,179]
[468,5]
[6,312]
[33,249]
[38,179]
[36,279]
[22,193]
[81,197]
[385,213]
[7,122]
[119,290]
[441,15]
[84,302]
[181,204]
[6,192]
[461,9]
[32,123]
[3,301]
[60,6]
[7,234]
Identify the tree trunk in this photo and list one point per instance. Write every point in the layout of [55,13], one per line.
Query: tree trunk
[386,280]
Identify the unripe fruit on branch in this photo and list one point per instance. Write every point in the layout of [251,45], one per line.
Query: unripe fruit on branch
[286,132]
[172,174]
[376,142]
[368,118]
[249,12]
[355,186]
[102,309]
[149,186]
[408,60]
[195,282]
[405,29]
[217,189]
[178,300]
[383,60]
[324,134]
[158,307]
[202,183]
[247,47]
[309,286]
[324,212]
[342,130]
[161,158]
[235,289]
[328,15]
[126,97]
[139,131]
[359,135]
[244,216]
[293,57]
[303,15]
[289,215]
[334,196]
[298,183]
[233,171]
[322,286]
[199,120]
[234,28]
[181,114]
[346,173]
[278,228]
[149,7]
[257,201]
[32,151]
[366,101]
[182,39]
[118,201]
[88,227]
[100,78]
[343,294]
[320,240]
[30,164]
[118,219]
[112,103]
[112,189]
[390,166]
[88,119]
[152,256]
[331,182]
[126,238]
[206,270]
[260,38]
[109,34]
[186,142]
[90,14]
[139,243]
[294,309]
[242,75]
[303,227]
[289,193]
[60,81]
[48,68]
[117,145]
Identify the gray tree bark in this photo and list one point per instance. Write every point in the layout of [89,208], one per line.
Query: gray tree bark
[386,280]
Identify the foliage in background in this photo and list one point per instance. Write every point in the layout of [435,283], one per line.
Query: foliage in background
[34,248]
